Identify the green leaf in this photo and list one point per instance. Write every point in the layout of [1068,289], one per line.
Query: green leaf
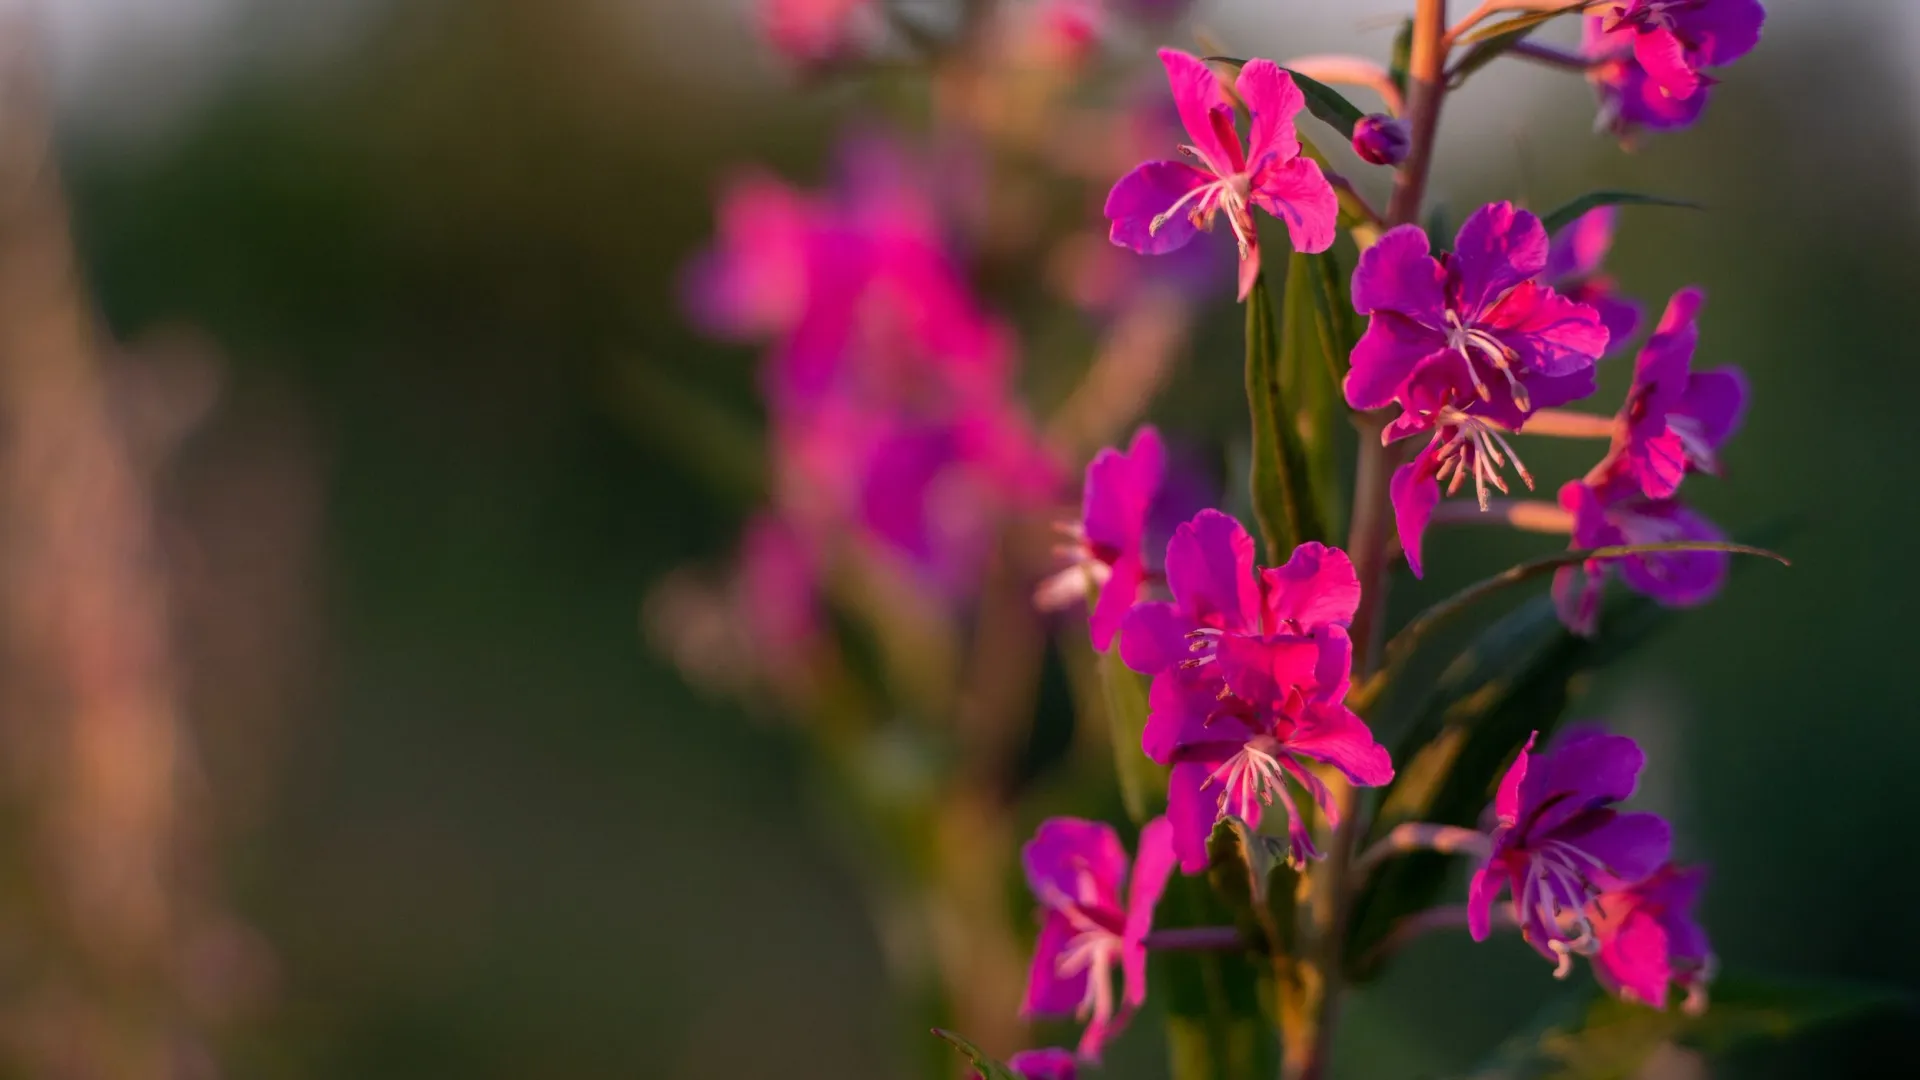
[1530,21]
[1332,107]
[1589,1035]
[1561,217]
[1318,339]
[1401,57]
[1143,784]
[1518,677]
[1283,501]
[1408,639]
[1489,43]
[987,1066]
[1216,1024]
[1252,875]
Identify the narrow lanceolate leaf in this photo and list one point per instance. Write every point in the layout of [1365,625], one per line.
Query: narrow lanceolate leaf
[1401,648]
[1143,784]
[1401,57]
[1328,104]
[988,1067]
[1251,874]
[1283,501]
[1562,216]
[1518,677]
[1317,338]
[1587,1035]
[1489,43]
[1216,1025]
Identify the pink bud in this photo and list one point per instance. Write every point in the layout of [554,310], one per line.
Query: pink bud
[1379,139]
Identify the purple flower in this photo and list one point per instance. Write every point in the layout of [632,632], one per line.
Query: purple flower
[1616,513]
[1674,420]
[1249,669]
[1649,940]
[1108,544]
[1051,1063]
[777,591]
[1093,921]
[1468,345]
[1674,40]
[1380,139]
[1559,844]
[811,31]
[1573,269]
[754,282]
[1159,206]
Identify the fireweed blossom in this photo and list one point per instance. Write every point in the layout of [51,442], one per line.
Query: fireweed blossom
[1468,344]
[1615,513]
[1094,923]
[1646,58]
[1051,1063]
[1159,206]
[1250,668]
[1108,543]
[1649,940]
[1559,845]
[1675,419]
[1574,258]
[812,31]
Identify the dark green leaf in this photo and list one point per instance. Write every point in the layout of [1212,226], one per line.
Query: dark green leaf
[1216,1025]
[1318,339]
[1588,1035]
[1251,874]
[1403,644]
[988,1067]
[1401,57]
[1283,501]
[1332,107]
[1566,215]
[1489,43]
[1143,784]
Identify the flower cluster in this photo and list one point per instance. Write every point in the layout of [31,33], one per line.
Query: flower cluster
[1647,59]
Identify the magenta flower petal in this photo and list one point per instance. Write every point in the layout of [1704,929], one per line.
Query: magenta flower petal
[1153,637]
[1210,571]
[1050,993]
[1386,356]
[1578,250]
[1399,274]
[1594,766]
[1193,805]
[1120,489]
[1499,247]
[1151,869]
[1205,111]
[1336,735]
[1117,596]
[1414,492]
[1273,101]
[1631,845]
[1184,712]
[1554,336]
[1144,194]
[1482,890]
[1715,402]
[1050,1063]
[1664,60]
[1296,192]
[1070,856]
[1633,957]
[1506,800]
[1725,30]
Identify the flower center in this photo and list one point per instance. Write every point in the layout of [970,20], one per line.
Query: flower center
[1471,444]
[1693,440]
[1092,951]
[1088,569]
[1253,777]
[1230,193]
[1471,342]
[1556,893]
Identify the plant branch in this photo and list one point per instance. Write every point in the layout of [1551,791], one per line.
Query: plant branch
[1196,939]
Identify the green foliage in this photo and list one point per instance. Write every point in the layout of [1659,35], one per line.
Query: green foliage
[1143,784]
[987,1066]
[1489,43]
[1328,104]
[1562,216]
[1216,1027]
[1283,500]
[1250,872]
[1589,1035]
[1318,332]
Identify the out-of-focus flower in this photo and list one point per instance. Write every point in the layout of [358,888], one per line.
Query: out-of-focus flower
[1249,669]
[1108,543]
[777,593]
[754,282]
[811,32]
[1380,139]
[1646,58]
[1559,844]
[1050,1063]
[1159,206]
[1468,344]
[1574,258]
[1673,41]
[1094,923]
[1649,939]
[1616,513]
[1675,420]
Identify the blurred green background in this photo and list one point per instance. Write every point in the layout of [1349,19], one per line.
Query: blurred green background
[485,832]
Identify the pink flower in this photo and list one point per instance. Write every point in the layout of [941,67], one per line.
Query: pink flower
[1249,671]
[1616,513]
[1674,420]
[1468,344]
[1559,844]
[1674,40]
[1380,139]
[1051,1063]
[777,592]
[1649,939]
[754,282]
[1107,544]
[1573,269]
[811,31]
[1159,206]
[1094,923]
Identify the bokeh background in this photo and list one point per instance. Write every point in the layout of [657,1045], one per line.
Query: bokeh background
[393,289]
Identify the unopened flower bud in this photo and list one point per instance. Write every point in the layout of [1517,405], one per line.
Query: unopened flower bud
[1379,139]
